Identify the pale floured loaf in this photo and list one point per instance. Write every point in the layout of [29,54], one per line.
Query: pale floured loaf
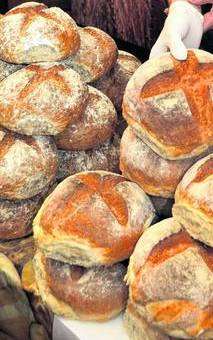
[113,84]
[32,33]
[156,175]
[170,278]
[27,165]
[169,104]
[96,293]
[41,99]
[193,206]
[92,218]
[96,56]
[95,126]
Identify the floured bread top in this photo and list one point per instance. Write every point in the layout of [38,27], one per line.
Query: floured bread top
[169,104]
[95,126]
[41,99]
[96,56]
[32,33]
[99,207]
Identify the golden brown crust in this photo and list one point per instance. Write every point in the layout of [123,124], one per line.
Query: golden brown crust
[171,280]
[93,292]
[33,33]
[96,56]
[155,175]
[193,200]
[113,84]
[27,166]
[162,105]
[95,126]
[93,218]
[41,99]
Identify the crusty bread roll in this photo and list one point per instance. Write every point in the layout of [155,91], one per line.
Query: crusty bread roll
[193,206]
[32,33]
[96,56]
[113,84]
[92,218]
[95,126]
[157,176]
[169,104]
[27,166]
[139,329]
[97,293]
[41,99]
[170,278]
[105,157]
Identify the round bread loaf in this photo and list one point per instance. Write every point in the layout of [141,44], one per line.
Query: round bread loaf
[92,218]
[95,126]
[97,293]
[193,206]
[41,99]
[170,278]
[96,56]
[169,104]
[105,157]
[138,329]
[113,84]
[157,176]
[32,33]
[27,167]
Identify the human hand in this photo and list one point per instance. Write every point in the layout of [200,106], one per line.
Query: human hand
[183,29]
[208,17]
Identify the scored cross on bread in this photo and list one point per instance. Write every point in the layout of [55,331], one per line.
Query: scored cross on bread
[169,104]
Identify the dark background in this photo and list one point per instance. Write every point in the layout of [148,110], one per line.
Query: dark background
[134,24]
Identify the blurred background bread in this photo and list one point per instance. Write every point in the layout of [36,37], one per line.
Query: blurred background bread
[193,206]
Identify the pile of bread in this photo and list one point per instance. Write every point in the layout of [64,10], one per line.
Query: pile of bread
[55,125]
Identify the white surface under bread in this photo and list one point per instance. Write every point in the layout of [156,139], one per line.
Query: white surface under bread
[77,330]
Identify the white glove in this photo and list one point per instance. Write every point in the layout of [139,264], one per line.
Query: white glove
[183,29]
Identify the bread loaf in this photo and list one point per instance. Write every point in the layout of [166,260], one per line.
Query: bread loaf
[95,126]
[105,157]
[169,104]
[92,218]
[170,278]
[27,166]
[157,176]
[32,33]
[96,56]
[41,99]
[113,84]
[193,206]
[138,329]
[97,293]
[6,69]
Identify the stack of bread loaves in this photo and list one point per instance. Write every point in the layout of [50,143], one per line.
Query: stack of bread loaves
[168,107]
[84,230]
[42,95]
[170,274]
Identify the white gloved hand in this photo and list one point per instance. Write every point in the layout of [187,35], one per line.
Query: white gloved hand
[183,29]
